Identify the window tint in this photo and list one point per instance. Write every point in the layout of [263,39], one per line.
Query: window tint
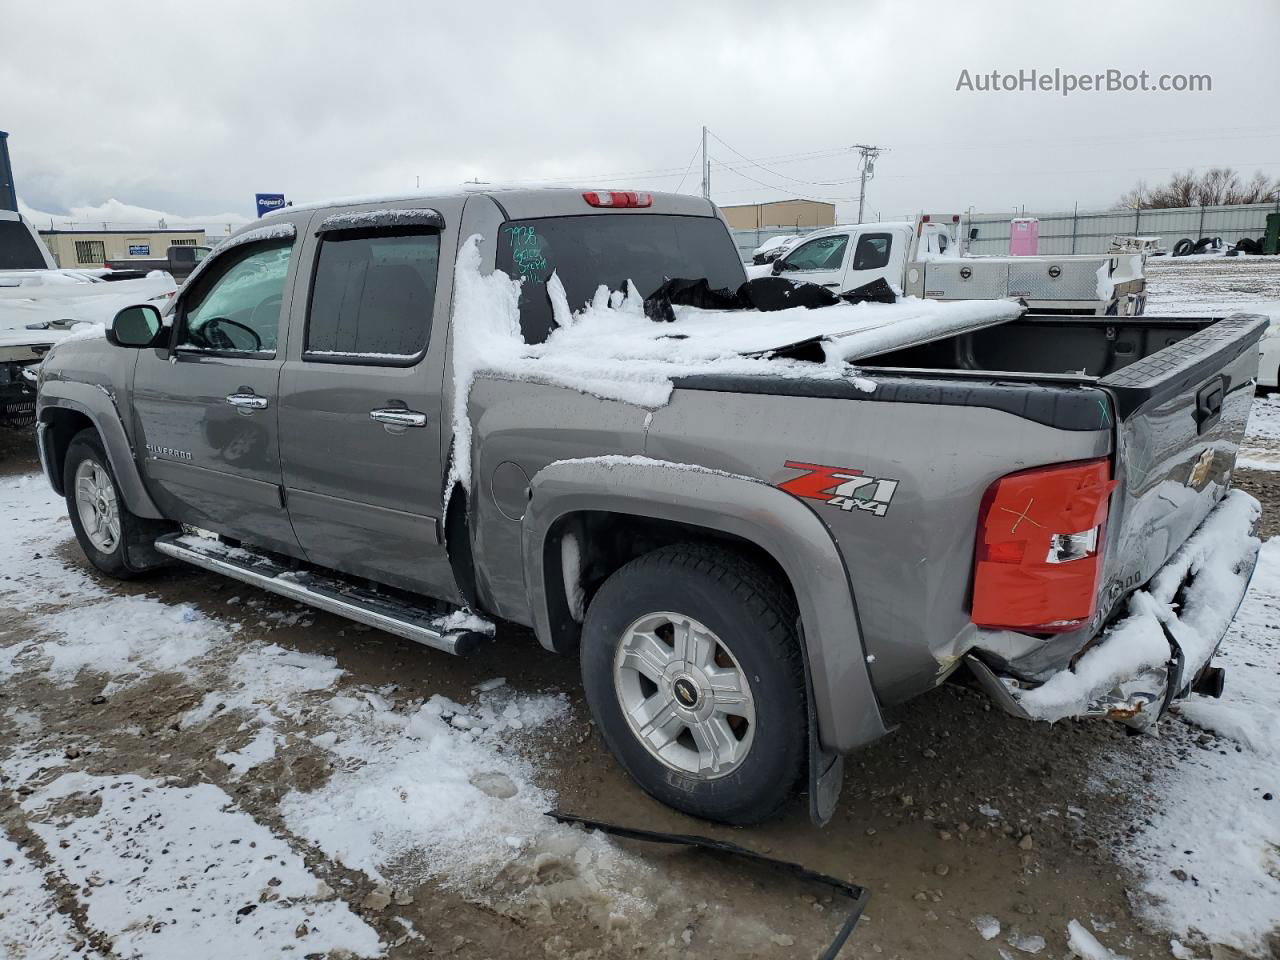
[236,307]
[872,251]
[610,249]
[18,251]
[825,253]
[373,292]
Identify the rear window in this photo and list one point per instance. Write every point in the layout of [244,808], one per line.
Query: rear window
[18,250]
[611,249]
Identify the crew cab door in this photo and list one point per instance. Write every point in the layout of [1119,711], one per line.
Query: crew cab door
[821,260]
[205,406]
[361,407]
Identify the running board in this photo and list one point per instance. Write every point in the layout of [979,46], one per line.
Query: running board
[325,592]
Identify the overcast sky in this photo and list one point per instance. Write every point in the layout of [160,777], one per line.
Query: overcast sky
[193,108]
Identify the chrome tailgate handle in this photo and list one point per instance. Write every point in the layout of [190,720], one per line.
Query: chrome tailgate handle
[247,401]
[398,417]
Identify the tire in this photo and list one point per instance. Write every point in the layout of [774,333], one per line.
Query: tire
[1182,247]
[120,549]
[761,741]
[1201,244]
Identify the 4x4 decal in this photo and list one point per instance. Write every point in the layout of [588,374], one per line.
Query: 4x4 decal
[841,487]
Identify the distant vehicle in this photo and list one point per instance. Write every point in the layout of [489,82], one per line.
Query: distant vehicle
[774,247]
[41,305]
[923,258]
[179,262]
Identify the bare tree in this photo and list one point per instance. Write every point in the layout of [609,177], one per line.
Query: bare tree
[1212,187]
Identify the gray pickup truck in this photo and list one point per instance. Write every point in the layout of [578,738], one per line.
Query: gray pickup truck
[750,570]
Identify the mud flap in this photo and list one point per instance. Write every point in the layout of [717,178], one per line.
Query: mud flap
[826,775]
[857,894]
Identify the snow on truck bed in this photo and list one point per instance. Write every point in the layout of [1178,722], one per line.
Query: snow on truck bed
[610,349]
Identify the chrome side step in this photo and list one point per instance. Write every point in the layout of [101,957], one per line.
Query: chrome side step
[325,592]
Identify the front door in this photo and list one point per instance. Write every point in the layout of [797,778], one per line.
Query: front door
[820,260]
[205,407]
[361,406]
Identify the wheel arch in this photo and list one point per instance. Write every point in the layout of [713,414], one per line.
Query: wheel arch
[646,502]
[66,409]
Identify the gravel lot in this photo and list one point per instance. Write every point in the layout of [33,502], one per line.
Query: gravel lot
[189,767]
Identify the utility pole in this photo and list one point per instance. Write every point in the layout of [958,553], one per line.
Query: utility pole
[706,166]
[868,164]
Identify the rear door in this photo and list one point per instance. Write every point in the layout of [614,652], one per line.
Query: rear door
[877,254]
[361,408]
[205,408]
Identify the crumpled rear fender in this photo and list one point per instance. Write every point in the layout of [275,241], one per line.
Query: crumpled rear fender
[844,703]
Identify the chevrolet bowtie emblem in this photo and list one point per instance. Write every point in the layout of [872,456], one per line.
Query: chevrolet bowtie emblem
[1200,472]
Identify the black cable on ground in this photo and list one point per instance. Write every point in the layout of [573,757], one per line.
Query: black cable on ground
[858,895]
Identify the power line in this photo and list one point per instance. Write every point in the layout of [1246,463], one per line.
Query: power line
[689,167]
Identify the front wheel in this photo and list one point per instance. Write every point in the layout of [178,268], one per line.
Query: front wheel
[105,528]
[692,668]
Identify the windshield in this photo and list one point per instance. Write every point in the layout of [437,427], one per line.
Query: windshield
[610,249]
[18,250]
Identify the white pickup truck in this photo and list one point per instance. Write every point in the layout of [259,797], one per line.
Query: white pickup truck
[41,305]
[924,258]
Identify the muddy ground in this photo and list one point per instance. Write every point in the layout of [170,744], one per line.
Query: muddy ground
[909,825]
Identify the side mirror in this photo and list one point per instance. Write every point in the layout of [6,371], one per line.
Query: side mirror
[778,266]
[135,327]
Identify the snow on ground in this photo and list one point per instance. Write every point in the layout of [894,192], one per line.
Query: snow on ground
[419,791]
[179,872]
[1209,853]
[31,927]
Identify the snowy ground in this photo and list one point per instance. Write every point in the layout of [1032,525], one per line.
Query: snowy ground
[190,768]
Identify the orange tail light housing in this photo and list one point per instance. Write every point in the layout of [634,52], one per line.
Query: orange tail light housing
[1039,547]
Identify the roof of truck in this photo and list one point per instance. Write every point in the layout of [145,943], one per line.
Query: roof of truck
[500,192]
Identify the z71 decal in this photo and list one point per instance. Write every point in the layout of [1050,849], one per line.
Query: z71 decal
[841,487]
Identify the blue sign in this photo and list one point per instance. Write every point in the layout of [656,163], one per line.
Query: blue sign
[268,201]
[139,249]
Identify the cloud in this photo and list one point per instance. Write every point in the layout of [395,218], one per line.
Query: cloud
[197,108]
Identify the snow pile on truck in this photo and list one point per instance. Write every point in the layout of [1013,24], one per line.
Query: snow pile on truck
[609,349]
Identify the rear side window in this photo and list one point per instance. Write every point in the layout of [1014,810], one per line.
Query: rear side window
[373,294]
[872,251]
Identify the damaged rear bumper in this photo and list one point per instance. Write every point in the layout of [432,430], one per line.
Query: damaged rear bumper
[1138,665]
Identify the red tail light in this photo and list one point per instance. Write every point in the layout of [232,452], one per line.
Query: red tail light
[1039,547]
[617,198]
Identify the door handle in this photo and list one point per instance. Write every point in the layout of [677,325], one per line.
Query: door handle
[832,286]
[247,401]
[398,417]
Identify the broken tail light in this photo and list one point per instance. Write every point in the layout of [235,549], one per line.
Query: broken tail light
[617,198]
[1039,547]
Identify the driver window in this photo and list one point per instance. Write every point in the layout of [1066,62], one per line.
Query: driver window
[825,253]
[237,309]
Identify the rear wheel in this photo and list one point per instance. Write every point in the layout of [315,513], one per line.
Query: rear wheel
[692,668]
[108,533]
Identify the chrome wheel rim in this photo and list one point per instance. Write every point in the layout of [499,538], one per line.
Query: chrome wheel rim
[685,697]
[97,505]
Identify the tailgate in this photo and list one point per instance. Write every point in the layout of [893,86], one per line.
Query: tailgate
[1181,414]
